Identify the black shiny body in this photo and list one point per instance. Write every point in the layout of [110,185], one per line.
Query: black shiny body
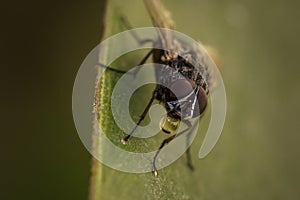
[180,59]
[185,72]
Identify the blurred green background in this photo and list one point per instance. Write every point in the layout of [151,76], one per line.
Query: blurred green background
[44,43]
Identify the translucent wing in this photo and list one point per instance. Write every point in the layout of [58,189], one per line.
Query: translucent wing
[161,18]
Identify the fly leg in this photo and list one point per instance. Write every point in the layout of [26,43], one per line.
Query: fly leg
[188,155]
[143,61]
[188,150]
[128,26]
[112,69]
[142,117]
[140,41]
[166,141]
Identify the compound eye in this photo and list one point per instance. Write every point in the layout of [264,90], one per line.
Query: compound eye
[202,102]
[181,88]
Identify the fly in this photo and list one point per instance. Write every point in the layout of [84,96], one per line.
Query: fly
[190,82]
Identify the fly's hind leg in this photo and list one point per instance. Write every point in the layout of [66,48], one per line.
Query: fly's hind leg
[120,71]
[140,41]
[128,26]
[134,72]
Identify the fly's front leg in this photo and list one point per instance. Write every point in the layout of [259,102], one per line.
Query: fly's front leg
[166,141]
[189,159]
[142,117]
[188,150]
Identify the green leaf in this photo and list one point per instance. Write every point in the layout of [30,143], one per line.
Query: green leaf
[176,181]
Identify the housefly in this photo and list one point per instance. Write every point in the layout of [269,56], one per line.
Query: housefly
[190,79]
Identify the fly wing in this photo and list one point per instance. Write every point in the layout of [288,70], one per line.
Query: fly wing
[161,18]
[159,15]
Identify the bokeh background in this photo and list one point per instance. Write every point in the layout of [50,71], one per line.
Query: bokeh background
[44,42]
